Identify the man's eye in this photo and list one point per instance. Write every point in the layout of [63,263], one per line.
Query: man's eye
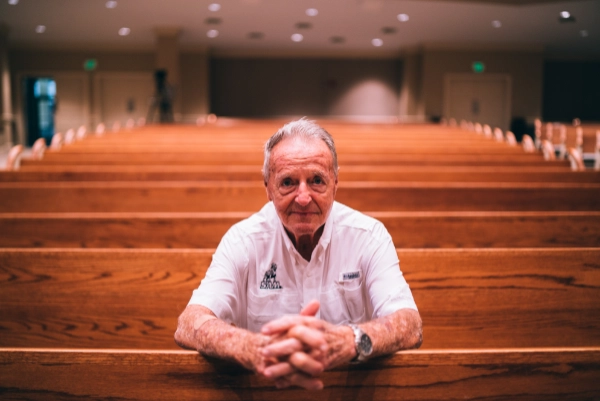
[286,182]
[318,180]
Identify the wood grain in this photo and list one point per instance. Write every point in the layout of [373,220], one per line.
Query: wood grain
[519,374]
[239,196]
[417,173]
[256,158]
[205,230]
[475,298]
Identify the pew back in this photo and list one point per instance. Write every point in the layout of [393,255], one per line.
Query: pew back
[475,298]
[253,173]
[531,374]
[250,196]
[205,230]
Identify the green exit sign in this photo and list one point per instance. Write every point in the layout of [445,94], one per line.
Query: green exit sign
[478,67]
[90,64]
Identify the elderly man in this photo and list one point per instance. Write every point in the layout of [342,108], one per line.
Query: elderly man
[305,284]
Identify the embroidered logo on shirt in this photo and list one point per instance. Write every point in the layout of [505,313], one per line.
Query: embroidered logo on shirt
[269,282]
[347,276]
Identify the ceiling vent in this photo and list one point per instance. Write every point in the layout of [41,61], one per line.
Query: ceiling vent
[303,25]
[256,35]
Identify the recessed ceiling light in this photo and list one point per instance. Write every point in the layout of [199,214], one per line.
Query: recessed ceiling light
[214,7]
[213,33]
[312,12]
[111,4]
[297,37]
[377,42]
[403,17]
[566,16]
[40,28]
[584,33]
[124,31]
[13,2]
[496,23]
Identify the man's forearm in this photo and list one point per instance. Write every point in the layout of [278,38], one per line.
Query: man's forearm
[200,330]
[400,330]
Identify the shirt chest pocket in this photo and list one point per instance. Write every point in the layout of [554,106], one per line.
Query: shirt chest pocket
[269,305]
[344,302]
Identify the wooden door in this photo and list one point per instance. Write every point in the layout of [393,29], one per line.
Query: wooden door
[482,98]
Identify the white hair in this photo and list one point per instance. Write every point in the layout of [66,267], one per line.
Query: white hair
[302,128]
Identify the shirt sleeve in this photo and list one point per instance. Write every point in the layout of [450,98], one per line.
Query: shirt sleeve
[221,289]
[386,286]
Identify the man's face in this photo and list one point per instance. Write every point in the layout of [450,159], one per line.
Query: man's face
[301,184]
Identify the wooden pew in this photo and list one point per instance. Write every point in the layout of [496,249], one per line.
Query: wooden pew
[540,305]
[240,134]
[540,173]
[204,230]
[468,298]
[439,141]
[516,374]
[184,196]
[256,158]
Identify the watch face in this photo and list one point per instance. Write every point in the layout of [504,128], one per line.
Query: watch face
[365,344]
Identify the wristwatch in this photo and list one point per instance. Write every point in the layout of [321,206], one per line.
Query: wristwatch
[362,341]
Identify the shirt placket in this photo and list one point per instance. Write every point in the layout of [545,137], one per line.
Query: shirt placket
[312,278]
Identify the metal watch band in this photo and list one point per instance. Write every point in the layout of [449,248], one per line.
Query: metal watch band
[360,338]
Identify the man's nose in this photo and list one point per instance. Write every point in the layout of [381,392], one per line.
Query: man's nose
[303,197]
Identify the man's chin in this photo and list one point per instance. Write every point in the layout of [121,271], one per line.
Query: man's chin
[301,229]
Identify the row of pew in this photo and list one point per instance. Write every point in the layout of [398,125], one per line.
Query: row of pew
[103,241]
[580,144]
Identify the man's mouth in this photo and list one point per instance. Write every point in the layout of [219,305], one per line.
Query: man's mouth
[303,213]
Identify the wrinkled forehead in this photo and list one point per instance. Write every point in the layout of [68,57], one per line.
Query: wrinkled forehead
[300,149]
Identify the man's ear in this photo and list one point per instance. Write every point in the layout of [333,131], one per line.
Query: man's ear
[336,181]
[268,192]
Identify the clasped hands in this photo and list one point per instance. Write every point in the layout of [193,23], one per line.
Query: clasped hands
[300,347]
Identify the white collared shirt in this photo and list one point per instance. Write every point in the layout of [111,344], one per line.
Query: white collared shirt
[257,275]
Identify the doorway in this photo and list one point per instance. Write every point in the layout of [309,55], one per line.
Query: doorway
[478,98]
[40,108]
